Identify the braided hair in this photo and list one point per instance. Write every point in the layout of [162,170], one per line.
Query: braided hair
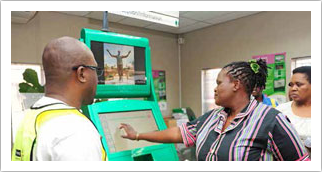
[248,75]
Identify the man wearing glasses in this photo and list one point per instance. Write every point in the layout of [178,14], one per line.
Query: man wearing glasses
[54,129]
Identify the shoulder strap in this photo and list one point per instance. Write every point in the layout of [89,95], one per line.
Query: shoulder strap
[47,115]
[273,103]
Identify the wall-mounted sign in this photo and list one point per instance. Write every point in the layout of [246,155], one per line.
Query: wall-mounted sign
[160,88]
[170,18]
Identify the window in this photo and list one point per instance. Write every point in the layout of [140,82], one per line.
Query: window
[20,102]
[300,61]
[208,85]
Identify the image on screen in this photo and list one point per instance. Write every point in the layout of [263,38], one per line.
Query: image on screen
[122,64]
[141,121]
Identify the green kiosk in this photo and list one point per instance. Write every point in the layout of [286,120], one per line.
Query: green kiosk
[127,74]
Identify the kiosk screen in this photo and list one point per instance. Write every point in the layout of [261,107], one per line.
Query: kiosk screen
[123,65]
[141,121]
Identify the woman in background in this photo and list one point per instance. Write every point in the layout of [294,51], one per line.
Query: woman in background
[299,109]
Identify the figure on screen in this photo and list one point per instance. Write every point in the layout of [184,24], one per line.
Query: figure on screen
[119,62]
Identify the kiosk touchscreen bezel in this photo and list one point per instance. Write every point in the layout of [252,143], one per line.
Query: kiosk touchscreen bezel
[125,106]
[119,91]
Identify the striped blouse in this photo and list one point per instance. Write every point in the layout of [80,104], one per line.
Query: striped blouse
[258,133]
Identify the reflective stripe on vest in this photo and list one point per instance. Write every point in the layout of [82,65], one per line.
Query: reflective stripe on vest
[27,131]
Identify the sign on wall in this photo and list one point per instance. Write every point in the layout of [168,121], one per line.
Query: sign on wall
[276,79]
[170,18]
[160,88]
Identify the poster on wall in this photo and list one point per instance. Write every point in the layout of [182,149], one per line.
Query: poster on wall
[160,88]
[276,79]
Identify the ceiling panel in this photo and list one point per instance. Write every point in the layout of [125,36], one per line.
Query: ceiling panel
[183,12]
[203,15]
[161,27]
[135,22]
[95,15]
[188,20]
[183,22]
[193,27]
[99,16]
[230,16]
[245,13]
[76,13]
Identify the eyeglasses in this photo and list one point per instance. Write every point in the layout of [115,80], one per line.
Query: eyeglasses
[99,71]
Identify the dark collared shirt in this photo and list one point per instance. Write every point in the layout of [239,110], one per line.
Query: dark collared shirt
[259,133]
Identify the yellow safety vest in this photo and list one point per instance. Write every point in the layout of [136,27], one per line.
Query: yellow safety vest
[27,131]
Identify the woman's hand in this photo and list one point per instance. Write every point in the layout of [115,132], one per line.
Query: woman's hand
[130,133]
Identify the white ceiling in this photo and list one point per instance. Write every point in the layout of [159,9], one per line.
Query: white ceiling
[188,20]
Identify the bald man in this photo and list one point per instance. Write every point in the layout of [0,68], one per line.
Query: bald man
[54,129]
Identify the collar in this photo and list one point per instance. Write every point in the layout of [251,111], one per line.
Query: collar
[44,101]
[248,109]
[224,113]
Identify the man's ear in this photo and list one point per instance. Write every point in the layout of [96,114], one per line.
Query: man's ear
[81,74]
[237,84]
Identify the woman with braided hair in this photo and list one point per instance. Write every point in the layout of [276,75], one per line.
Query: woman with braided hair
[260,86]
[241,130]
